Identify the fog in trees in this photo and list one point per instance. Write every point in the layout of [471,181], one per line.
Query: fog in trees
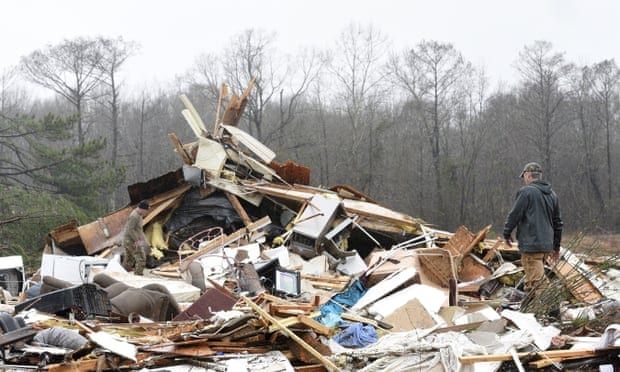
[418,129]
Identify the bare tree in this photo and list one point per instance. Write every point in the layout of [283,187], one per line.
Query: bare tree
[13,99]
[359,88]
[430,75]
[589,131]
[543,74]
[202,83]
[70,69]
[114,53]
[605,80]
[307,67]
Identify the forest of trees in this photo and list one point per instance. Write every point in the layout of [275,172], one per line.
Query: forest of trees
[417,129]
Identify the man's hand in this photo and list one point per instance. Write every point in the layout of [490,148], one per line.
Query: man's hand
[508,241]
[554,257]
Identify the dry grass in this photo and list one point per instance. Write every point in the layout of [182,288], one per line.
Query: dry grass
[603,244]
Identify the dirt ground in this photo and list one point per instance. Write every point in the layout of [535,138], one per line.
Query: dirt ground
[599,245]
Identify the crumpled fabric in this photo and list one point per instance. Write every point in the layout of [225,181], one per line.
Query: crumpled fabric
[331,310]
[61,337]
[357,335]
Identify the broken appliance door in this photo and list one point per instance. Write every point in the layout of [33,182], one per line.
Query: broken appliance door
[311,225]
[12,275]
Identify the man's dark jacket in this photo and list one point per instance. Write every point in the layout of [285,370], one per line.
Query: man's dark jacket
[536,215]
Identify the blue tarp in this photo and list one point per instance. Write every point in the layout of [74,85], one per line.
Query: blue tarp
[331,310]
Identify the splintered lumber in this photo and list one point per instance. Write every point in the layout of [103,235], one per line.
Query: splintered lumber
[95,364]
[360,319]
[236,105]
[480,236]
[298,308]
[223,93]
[326,362]
[292,320]
[551,354]
[316,326]
[238,208]
[329,279]
[187,160]
[167,274]
[310,368]
[299,353]
[197,348]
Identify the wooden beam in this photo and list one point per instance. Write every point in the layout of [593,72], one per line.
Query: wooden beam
[239,208]
[316,326]
[326,362]
[292,320]
[180,149]
[551,354]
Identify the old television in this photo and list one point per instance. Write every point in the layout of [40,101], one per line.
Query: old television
[287,282]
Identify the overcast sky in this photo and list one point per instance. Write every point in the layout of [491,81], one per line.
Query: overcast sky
[172,33]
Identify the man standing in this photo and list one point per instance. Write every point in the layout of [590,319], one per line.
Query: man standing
[536,215]
[134,240]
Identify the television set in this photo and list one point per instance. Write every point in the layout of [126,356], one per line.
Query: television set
[287,282]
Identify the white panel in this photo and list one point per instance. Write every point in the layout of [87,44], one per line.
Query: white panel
[315,217]
[254,145]
[211,156]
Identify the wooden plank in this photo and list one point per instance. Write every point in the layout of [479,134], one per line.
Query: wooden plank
[551,354]
[292,320]
[329,279]
[300,353]
[310,368]
[326,362]
[316,326]
[335,286]
[360,319]
[379,212]
[187,160]
[236,105]
[238,208]
[300,307]
[477,239]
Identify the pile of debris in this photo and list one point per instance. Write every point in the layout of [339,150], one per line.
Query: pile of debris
[251,268]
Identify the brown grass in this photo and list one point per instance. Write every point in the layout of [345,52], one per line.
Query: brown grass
[601,245]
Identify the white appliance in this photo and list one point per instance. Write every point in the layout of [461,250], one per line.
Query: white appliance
[12,276]
[72,269]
